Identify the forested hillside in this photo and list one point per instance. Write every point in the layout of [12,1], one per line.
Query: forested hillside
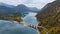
[49,17]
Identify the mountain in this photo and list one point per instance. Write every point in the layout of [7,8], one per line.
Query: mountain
[34,9]
[7,5]
[49,17]
[22,8]
[6,10]
[8,13]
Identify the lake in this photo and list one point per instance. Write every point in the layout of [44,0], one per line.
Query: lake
[9,27]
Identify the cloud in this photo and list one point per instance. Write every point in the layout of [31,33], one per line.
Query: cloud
[37,3]
[30,3]
[13,2]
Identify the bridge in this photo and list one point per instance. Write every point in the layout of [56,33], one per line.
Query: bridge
[34,26]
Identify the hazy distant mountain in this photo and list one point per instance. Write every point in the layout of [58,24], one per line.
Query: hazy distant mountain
[34,9]
[9,9]
[6,10]
[22,8]
[7,5]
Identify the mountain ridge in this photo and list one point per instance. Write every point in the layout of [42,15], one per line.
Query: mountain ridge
[49,17]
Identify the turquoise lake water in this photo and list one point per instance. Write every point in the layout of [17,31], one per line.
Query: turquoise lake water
[8,27]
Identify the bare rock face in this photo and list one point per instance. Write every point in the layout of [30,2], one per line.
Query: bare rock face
[50,14]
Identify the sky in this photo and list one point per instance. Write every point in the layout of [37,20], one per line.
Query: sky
[30,3]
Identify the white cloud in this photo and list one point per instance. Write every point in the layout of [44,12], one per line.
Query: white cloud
[13,2]
[37,3]
[30,3]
